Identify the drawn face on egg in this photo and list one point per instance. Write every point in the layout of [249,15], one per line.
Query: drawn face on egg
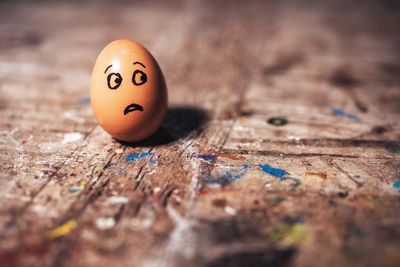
[128,92]
[114,80]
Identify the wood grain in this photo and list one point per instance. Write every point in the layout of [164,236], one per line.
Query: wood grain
[221,187]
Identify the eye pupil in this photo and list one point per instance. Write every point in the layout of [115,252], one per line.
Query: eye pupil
[139,77]
[114,80]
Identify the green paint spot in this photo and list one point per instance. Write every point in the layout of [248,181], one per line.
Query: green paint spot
[354,229]
[289,234]
[277,121]
[278,200]
[296,181]
[353,250]
[393,149]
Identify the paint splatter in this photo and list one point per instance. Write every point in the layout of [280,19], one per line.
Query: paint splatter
[393,149]
[288,219]
[321,175]
[234,174]
[77,188]
[396,185]
[153,162]
[204,156]
[119,150]
[70,115]
[231,156]
[105,223]
[290,234]
[116,200]
[230,210]
[295,180]
[277,121]
[136,156]
[278,173]
[49,147]
[62,230]
[71,137]
[345,114]
[277,200]
[83,100]
[354,229]
[226,176]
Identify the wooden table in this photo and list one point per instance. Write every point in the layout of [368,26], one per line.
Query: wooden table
[281,146]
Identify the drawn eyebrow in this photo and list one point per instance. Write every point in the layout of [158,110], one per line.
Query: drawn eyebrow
[137,62]
[107,68]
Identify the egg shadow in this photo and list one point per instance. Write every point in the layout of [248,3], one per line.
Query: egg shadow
[179,122]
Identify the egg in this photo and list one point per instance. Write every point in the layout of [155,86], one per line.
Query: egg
[128,92]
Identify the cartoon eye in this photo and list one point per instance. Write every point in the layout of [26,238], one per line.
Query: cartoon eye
[139,77]
[114,80]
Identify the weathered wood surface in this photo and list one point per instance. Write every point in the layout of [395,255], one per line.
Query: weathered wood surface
[69,197]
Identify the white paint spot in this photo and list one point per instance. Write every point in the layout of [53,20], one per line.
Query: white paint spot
[140,224]
[71,137]
[70,115]
[157,189]
[42,211]
[49,147]
[105,223]
[115,200]
[268,185]
[293,137]
[182,235]
[230,210]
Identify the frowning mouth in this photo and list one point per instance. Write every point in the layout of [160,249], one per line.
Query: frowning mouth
[132,107]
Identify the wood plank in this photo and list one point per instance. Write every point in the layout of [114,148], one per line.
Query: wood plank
[221,186]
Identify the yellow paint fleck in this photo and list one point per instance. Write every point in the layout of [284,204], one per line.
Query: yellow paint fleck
[290,234]
[62,230]
[82,184]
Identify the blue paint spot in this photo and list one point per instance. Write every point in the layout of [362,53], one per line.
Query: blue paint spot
[288,219]
[204,156]
[396,185]
[226,177]
[137,156]
[74,189]
[345,114]
[236,174]
[153,162]
[84,100]
[278,173]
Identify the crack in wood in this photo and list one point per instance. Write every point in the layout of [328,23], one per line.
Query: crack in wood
[276,153]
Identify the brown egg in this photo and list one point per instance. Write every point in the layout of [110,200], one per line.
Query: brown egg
[128,91]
